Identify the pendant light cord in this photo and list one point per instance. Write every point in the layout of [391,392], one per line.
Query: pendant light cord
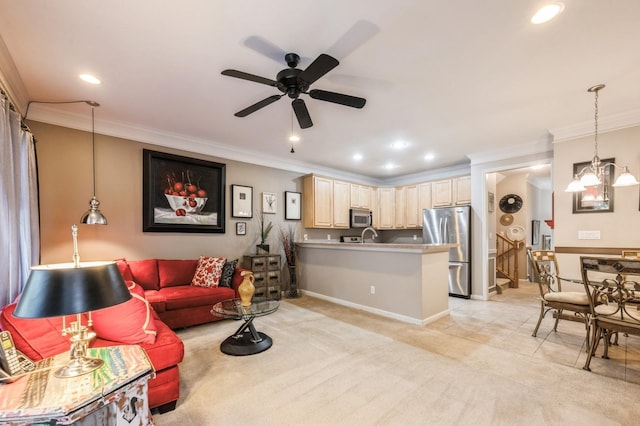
[596,123]
[93,148]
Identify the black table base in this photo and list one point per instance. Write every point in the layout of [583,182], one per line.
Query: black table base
[246,341]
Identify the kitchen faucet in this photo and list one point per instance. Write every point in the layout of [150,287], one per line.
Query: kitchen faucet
[368,228]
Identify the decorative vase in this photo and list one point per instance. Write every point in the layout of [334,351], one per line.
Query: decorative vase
[293,284]
[246,288]
[262,249]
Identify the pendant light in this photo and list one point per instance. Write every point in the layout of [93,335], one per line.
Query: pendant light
[592,175]
[93,216]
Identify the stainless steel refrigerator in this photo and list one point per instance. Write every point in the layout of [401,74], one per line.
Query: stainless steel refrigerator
[452,225]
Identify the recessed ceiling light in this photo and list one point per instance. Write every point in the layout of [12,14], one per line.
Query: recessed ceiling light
[547,13]
[429,157]
[390,166]
[399,145]
[538,167]
[357,157]
[89,78]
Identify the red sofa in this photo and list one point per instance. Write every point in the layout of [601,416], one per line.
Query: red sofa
[173,303]
[167,287]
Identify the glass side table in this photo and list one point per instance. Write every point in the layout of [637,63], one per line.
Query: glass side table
[246,340]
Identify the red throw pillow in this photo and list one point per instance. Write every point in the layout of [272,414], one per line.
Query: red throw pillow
[130,322]
[209,271]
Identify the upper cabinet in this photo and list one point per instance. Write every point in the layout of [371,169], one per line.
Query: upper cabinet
[360,196]
[450,192]
[326,202]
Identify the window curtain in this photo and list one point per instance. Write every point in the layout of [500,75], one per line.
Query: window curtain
[19,217]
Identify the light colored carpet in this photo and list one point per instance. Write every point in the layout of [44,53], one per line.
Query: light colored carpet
[331,365]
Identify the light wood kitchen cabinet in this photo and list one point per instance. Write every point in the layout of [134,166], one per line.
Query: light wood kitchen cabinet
[318,202]
[441,193]
[462,189]
[399,218]
[424,198]
[341,204]
[413,213]
[375,211]
[386,207]
[360,196]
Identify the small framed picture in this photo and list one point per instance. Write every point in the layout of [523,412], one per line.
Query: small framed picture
[269,202]
[292,206]
[241,201]
[241,228]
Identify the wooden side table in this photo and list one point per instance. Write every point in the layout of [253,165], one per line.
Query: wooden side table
[114,394]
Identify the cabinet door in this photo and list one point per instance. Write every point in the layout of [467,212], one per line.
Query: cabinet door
[462,187]
[364,195]
[412,213]
[399,221]
[441,193]
[375,211]
[341,204]
[318,202]
[386,207]
[424,198]
[355,195]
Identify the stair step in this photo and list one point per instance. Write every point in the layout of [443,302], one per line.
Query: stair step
[501,284]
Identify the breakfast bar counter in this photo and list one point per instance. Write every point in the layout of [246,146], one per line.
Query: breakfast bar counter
[408,282]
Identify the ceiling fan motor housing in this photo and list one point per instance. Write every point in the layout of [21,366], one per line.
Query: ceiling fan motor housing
[289,83]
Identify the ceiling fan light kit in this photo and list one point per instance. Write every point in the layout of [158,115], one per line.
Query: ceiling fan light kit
[293,82]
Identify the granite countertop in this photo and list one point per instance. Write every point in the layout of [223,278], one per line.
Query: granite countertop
[389,247]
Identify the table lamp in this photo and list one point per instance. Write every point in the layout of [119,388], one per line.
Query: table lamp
[73,289]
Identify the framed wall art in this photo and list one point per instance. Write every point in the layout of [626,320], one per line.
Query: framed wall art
[241,201]
[292,205]
[599,198]
[241,228]
[269,203]
[182,194]
[535,232]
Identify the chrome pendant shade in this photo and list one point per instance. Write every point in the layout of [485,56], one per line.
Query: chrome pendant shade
[592,175]
[93,216]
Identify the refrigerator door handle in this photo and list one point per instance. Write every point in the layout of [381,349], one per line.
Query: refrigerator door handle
[445,228]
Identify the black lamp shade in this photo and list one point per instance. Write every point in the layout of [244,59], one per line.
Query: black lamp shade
[66,289]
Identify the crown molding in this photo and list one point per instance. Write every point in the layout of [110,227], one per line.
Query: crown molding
[512,152]
[10,80]
[605,124]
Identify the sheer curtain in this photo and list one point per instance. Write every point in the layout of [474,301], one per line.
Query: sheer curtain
[19,220]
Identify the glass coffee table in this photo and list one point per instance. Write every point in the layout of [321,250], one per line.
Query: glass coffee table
[246,340]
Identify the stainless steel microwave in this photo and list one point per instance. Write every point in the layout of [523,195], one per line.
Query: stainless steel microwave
[359,218]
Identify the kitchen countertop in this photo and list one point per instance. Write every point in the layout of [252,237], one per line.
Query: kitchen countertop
[389,247]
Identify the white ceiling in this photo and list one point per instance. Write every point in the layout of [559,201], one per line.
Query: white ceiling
[453,78]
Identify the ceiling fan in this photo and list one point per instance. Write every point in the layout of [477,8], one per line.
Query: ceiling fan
[293,81]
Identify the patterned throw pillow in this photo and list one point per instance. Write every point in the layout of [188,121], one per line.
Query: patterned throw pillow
[208,271]
[227,273]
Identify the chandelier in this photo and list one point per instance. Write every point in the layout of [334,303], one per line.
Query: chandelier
[593,174]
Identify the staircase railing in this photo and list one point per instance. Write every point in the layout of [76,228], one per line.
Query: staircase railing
[507,259]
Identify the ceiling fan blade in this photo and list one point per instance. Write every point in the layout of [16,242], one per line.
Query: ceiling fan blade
[338,98]
[253,108]
[322,65]
[250,77]
[302,113]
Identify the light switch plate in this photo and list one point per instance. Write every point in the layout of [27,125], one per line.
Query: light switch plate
[588,235]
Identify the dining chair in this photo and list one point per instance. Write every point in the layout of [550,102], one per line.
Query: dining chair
[614,288]
[553,298]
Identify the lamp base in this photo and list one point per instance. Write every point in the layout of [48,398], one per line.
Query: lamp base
[78,367]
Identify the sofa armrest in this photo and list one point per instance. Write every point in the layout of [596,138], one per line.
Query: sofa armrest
[237,279]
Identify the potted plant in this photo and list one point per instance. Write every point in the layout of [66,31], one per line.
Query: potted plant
[263,247]
[288,238]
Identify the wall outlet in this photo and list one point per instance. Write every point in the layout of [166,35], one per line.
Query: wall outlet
[588,235]
[415,237]
[372,289]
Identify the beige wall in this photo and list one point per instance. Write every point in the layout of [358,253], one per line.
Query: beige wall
[618,229]
[64,161]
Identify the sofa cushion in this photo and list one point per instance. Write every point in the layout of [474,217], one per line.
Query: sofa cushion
[165,352]
[123,266]
[156,300]
[176,272]
[208,271]
[190,296]
[145,273]
[36,338]
[129,322]
[226,279]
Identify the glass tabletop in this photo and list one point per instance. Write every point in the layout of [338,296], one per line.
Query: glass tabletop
[232,308]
